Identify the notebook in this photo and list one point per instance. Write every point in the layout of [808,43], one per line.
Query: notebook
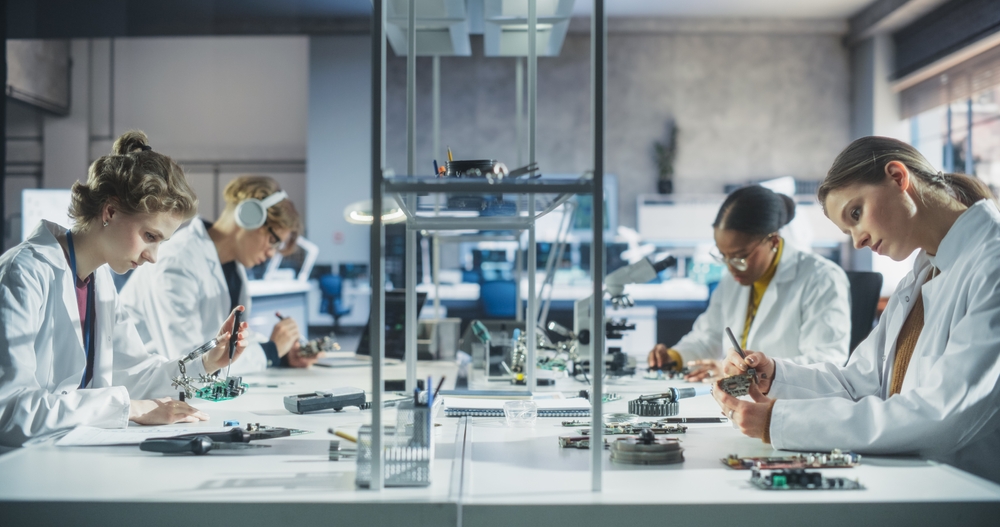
[459,406]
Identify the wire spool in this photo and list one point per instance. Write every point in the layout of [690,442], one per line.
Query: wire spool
[647,450]
[653,408]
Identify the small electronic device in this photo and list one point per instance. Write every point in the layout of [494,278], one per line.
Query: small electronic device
[580,442]
[316,346]
[738,385]
[335,399]
[800,479]
[230,388]
[834,459]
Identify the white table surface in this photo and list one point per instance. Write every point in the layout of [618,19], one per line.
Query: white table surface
[511,476]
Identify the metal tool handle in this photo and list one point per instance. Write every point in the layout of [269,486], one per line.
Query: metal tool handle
[198,445]
[736,343]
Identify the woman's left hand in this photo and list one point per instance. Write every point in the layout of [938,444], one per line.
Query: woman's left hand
[218,357]
[747,417]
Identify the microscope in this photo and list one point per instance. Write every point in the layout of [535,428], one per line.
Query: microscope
[616,362]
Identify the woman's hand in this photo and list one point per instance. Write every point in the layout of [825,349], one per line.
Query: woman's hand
[762,364]
[163,411]
[218,357]
[747,417]
[285,336]
[703,370]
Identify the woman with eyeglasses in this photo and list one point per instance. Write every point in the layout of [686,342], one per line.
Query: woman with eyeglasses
[775,297]
[202,274]
[927,378]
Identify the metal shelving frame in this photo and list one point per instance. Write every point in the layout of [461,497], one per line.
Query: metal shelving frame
[406,189]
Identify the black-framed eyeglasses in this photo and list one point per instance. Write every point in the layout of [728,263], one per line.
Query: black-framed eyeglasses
[276,242]
[740,264]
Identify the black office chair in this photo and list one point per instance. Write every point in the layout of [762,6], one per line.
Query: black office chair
[866,287]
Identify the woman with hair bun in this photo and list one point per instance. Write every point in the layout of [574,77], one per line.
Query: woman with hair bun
[202,276]
[69,355]
[775,297]
[927,378]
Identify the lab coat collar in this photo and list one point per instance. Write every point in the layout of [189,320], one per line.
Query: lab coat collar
[788,266]
[965,234]
[43,241]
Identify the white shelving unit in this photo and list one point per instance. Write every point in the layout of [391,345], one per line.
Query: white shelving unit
[534,198]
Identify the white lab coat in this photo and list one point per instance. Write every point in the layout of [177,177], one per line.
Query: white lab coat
[949,405]
[181,302]
[805,314]
[42,358]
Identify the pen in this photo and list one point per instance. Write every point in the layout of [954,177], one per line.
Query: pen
[435,167]
[278,314]
[449,155]
[344,435]
[438,389]
[694,420]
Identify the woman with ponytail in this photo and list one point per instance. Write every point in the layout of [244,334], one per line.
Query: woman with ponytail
[927,378]
[774,297]
[69,354]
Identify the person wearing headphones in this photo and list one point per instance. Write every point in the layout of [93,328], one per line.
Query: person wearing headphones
[202,275]
[792,303]
[69,355]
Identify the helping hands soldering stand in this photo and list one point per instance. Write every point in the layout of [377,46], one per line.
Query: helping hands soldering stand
[214,389]
[614,284]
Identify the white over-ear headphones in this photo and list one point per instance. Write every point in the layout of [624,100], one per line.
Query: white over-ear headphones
[252,213]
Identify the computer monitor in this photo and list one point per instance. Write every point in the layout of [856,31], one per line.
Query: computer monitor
[395,325]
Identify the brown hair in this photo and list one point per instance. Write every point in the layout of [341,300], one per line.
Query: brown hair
[282,214]
[138,181]
[864,161]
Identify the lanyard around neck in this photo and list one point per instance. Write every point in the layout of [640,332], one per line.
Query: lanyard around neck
[88,321]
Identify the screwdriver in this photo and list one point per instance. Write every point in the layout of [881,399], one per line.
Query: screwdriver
[234,337]
[198,445]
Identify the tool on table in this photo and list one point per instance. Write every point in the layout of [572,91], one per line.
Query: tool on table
[198,445]
[344,435]
[335,399]
[234,337]
[663,404]
[216,390]
[234,435]
[738,385]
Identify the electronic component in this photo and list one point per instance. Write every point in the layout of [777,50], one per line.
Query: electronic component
[638,428]
[230,423]
[230,388]
[835,459]
[335,399]
[581,442]
[259,431]
[216,390]
[318,345]
[800,479]
[647,449]
[738,385]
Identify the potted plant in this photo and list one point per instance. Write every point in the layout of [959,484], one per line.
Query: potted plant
[664,154]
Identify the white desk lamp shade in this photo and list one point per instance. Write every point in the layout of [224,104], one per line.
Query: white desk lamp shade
[360,212]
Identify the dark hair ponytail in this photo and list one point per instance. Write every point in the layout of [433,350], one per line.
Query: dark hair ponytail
[755,210]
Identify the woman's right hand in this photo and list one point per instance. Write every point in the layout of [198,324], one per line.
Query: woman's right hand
[163,411]
[764,366]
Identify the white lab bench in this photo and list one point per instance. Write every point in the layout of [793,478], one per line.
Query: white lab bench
[484,474]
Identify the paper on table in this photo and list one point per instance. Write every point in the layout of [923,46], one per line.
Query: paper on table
[90,436]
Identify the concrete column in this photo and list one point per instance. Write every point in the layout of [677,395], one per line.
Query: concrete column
[65,156]
[338,167]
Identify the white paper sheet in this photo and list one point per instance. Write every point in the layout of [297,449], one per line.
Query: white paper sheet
[133,435]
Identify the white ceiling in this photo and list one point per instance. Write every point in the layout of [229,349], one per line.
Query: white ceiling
[820,9]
